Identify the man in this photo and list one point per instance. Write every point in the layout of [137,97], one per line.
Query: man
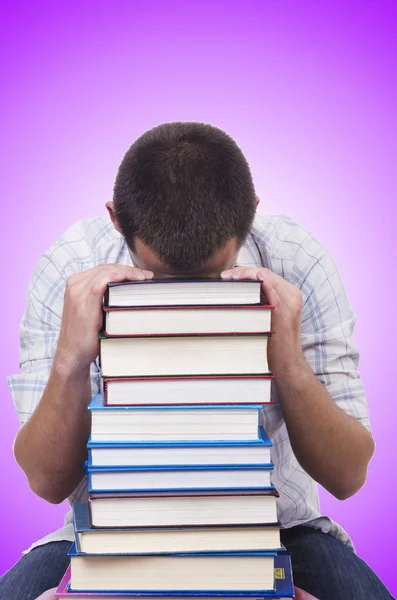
[184,205]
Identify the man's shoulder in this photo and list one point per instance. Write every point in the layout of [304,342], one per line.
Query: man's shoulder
[85,244]
[279,236]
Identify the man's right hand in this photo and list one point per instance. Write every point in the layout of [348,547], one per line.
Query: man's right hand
[78,344]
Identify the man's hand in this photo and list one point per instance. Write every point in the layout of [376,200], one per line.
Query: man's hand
[332,447]
[78,344]
[284,349]
[52,446]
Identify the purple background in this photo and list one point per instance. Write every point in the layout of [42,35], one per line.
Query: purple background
[307,89]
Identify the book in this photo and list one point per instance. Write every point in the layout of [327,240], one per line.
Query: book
[170,539]
[227,452]
[283,587]
[161,423]
[209,573]
[234,354]
[183,509]
[183,292]
[232,389]
[179,478]
[166,320]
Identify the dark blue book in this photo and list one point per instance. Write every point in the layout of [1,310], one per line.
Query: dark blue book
[160,540]
[249,574]
[184,292]
[282,588]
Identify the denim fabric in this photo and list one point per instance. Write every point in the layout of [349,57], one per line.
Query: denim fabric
[322,566]
[39,570]
[328,569]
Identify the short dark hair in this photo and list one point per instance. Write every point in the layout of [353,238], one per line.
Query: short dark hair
[185,189]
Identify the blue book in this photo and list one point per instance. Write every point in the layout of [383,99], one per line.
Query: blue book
[164,540]
[189,452]
[245,574]
[261,440]
[179,478]
[98,403]
[173,423]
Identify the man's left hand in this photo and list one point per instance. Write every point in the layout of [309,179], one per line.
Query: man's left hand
[285,354]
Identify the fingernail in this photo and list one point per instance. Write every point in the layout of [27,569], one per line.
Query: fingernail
[226,273]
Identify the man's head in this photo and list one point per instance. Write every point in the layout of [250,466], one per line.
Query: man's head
[184,200]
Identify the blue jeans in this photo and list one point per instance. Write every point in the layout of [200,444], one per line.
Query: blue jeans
[322,566]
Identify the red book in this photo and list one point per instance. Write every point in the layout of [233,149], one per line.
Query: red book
[183,320]
[183,509]
[161,391]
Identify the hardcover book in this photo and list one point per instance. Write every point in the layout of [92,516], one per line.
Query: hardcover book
[143,540]
[209,573]
[210,389]
[176,355]
[183,292]
[179,478]
[227,452]
[183,509]
[173,423]
[168,320]
[282,588]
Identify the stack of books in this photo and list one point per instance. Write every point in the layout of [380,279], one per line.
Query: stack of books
[181,502]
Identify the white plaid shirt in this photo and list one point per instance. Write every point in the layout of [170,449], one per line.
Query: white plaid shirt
[275,242]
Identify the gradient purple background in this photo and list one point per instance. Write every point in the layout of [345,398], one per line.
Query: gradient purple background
[307,89]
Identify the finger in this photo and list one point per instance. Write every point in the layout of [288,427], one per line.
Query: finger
[228,273]
[271,293]
[97,286]
[247,273]
[131,273]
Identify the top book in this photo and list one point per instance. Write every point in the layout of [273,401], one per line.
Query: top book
[184,292]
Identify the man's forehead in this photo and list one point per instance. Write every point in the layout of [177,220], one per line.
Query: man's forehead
[147,259]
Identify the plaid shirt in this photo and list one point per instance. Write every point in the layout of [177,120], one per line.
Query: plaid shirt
[275,242]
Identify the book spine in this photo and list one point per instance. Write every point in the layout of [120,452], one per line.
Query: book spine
[106,335]
[260,306]
[106,298]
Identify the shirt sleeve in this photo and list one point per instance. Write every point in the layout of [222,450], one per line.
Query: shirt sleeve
[39,332]
[328,323]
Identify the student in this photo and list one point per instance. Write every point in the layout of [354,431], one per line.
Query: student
[184,205]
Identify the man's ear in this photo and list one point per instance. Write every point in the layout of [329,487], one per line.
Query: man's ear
[110,209]
[257,200]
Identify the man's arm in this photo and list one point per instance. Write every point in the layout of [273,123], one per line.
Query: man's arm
[333,447]
[51,446]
